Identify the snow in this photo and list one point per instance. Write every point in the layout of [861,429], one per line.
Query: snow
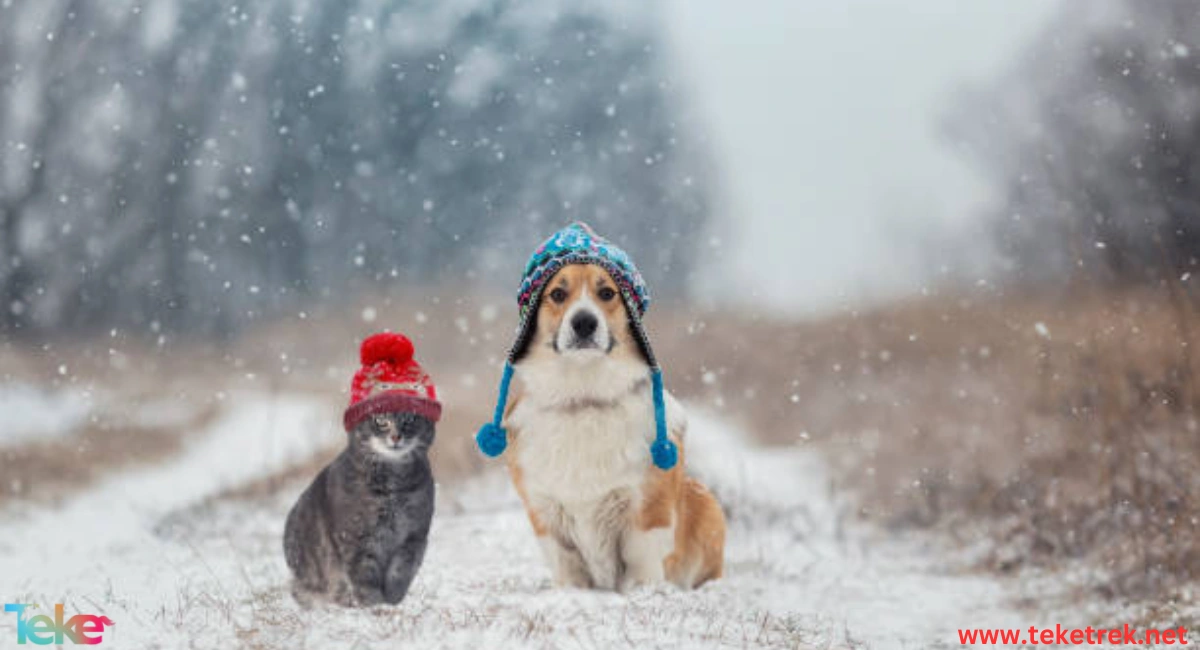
[161,414]
[480,68]
[260,435]
[173,568]
[30,412]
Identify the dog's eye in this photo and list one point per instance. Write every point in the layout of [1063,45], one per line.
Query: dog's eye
[606,293]
[558,295]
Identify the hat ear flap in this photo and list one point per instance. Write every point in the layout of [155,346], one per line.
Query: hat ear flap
[639,335]
[527,332]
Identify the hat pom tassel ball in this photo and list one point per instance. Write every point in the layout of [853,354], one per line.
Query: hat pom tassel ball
[492,439]
[664,453]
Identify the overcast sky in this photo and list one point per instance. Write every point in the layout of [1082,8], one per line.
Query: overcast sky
[824,117]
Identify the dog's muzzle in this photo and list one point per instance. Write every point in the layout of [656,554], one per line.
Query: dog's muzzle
[583,329]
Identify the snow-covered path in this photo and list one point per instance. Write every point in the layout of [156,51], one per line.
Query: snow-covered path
[171,573]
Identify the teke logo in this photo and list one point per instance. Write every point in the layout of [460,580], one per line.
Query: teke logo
[43,630]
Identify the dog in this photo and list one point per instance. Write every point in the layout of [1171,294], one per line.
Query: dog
[578,424]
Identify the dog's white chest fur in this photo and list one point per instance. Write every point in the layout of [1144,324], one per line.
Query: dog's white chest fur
[584,451]
[580,455]
[585,432]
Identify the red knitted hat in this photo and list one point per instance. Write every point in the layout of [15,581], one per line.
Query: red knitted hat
[390,381]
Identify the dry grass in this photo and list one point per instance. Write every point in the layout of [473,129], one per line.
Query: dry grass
[1054,430]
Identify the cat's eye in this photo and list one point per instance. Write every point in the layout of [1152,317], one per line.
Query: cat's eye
[558,295]
[379,422]
[606,293]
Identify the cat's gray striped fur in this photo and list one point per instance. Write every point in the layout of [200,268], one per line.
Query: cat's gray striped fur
[357,535]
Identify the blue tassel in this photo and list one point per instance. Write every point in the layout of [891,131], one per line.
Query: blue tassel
[492,438]
[663,451]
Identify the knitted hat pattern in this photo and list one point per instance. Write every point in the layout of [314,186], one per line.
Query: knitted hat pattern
[390,381]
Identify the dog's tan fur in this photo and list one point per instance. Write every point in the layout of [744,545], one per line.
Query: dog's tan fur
[662,502]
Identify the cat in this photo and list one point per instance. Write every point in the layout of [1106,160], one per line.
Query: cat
[357,535]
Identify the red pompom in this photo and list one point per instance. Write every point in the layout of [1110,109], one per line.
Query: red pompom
[390,347]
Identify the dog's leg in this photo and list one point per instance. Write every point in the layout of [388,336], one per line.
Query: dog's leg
[556,533]
[700,544]
[600,539]
[643,552]
[566,562]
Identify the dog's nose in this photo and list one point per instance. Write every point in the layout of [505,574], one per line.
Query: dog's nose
[584,324]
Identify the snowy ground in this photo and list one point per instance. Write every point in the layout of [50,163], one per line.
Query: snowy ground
[33,412]
[174,569]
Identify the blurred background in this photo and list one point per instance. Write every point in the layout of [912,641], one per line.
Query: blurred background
[950,245]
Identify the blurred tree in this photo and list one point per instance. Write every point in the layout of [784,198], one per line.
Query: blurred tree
[1094,135]
[189,167]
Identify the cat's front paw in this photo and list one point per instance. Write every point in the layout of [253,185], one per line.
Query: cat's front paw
[303,597]
[368,596]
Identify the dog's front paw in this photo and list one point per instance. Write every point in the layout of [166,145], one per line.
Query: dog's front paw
[572,577]
[631,585]
[628,585]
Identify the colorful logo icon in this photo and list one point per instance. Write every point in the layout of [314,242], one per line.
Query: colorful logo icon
[86,629]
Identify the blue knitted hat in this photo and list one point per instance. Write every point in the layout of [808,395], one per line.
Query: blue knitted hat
[579,244]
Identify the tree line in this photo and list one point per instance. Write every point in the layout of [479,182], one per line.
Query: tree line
[1094,141]
[193,166]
